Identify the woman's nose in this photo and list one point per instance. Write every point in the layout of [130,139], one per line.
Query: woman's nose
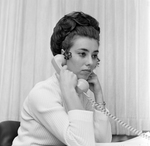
[89,60]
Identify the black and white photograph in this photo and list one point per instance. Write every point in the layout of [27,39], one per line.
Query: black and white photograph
[74,72]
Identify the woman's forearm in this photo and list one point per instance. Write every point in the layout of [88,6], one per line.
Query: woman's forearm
[72,100]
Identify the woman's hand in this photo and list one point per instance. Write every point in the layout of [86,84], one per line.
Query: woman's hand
[95,87]
[67,79]
[68,82]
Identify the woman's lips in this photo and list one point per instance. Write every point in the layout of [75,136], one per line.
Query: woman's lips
[86,71]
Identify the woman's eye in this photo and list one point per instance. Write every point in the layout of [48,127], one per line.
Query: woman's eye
[83,54]
[95,56]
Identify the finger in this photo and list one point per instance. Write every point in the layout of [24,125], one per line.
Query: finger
[57,76]
[93,74]
[90,77]
[64,67]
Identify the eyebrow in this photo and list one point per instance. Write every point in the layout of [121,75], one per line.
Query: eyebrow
[83,49]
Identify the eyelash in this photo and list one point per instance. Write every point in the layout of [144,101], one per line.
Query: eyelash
[95,56]
[83,54]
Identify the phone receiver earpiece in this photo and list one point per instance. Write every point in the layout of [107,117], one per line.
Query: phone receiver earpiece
[58,61]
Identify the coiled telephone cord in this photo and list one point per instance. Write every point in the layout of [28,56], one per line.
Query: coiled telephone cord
[106,112]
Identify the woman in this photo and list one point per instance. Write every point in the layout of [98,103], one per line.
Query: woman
[55,113]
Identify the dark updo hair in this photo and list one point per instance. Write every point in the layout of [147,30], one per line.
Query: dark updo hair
[75,23]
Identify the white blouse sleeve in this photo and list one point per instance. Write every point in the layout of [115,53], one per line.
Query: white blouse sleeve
[102,127]
[72,128]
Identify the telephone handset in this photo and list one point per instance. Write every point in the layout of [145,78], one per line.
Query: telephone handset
[58,61]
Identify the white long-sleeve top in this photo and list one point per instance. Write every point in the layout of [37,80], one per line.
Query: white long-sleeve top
[45,120]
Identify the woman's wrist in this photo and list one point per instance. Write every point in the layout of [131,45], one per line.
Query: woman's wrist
[100,105]
[98,97]
[72,100]
[99,100]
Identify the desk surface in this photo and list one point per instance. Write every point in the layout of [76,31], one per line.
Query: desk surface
[138,141]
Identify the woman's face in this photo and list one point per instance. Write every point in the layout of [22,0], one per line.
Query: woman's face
[84,56]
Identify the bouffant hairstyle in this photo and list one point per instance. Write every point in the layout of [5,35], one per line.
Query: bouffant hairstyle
[75,23]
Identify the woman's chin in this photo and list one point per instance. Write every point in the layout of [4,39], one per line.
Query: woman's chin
[85,77]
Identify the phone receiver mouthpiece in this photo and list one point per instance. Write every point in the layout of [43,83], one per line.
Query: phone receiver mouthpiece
[82,86]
